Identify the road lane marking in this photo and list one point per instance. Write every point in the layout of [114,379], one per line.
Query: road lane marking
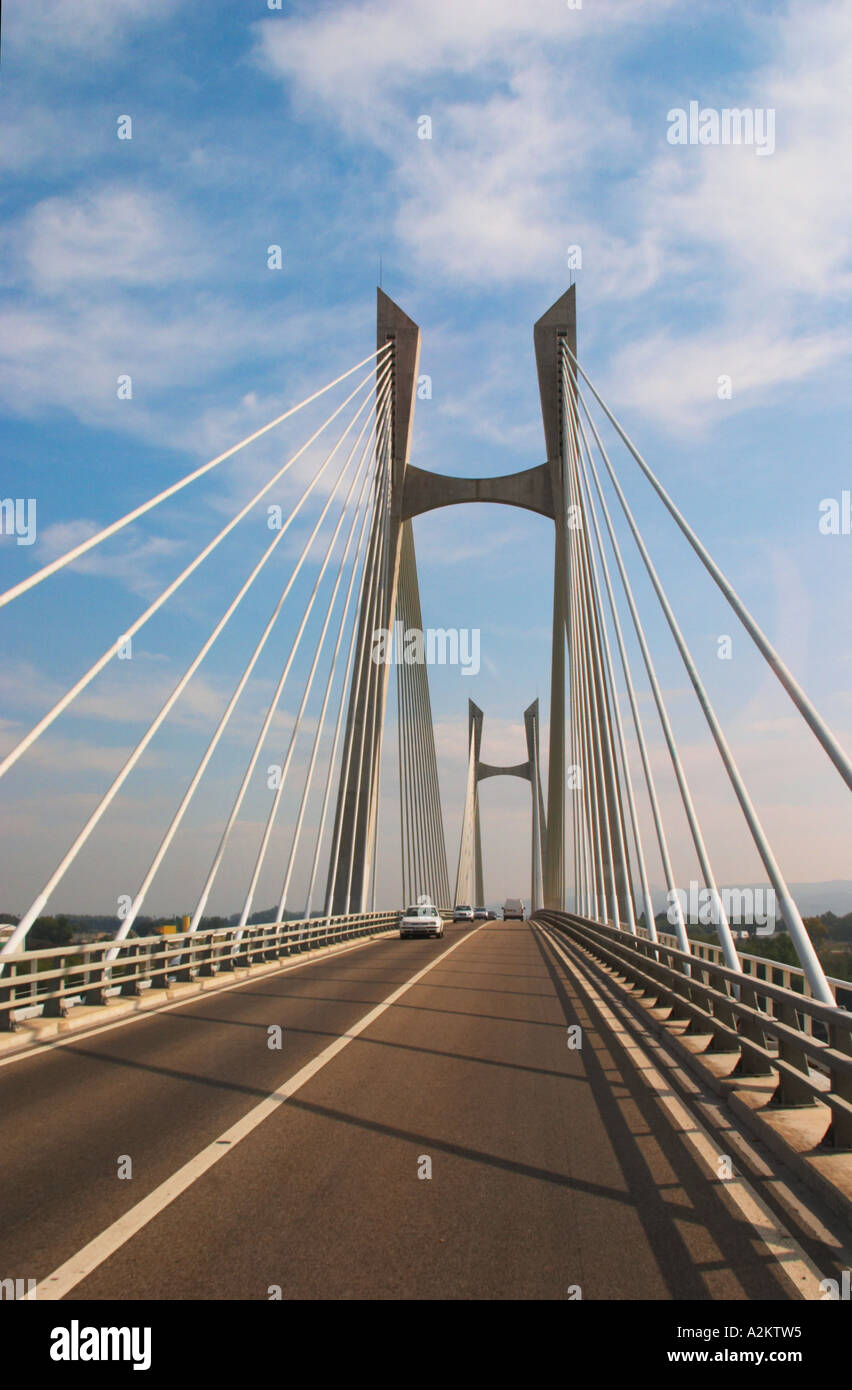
[81,1265]
[791,1258]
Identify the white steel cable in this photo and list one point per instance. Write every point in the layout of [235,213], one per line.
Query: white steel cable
[585,771]
[321,721]
[220,728]
[38,729]
[579,901]
[587,504]
[358,675]
[405,736]
[400,752]
[590,783]
[294,733]
[808,711]
[590,826]
[379,683]
[34,911]
[578,818]
[285,767]
[662,841]
[76,551]
[362,590]
[371,678]
[413,765]
[634,708]
[604,743]
[732,960]
[366,627]
[268,717]
[617,851]
[330,681]
[603,846]
[810,961]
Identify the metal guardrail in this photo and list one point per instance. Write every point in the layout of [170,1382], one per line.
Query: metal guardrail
[50,980]
[774,972]
[776,1031]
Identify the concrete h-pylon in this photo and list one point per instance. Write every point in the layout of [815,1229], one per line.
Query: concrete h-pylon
[413,490]
[358,793]
[469,879]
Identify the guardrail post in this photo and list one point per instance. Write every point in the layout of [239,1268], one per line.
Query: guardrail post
[840,1131]
[698,976]
[130,957]
[54,1006]
[205,959]
[159,973]
[791,1089]
[241,954]
[722,1042]
[94,983]
[227,959]
[7,1015]
[751,1032]
[183,974]
[677,995]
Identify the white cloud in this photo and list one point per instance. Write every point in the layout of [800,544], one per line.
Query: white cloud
[489,197]
[49,30]
[116,235]
[137,565]
[675,379]
[117,281]
[783,220]
[504,185]
[357,51]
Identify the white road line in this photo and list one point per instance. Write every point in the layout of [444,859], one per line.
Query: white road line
[78,1034]
[81,1265]
[792,1260]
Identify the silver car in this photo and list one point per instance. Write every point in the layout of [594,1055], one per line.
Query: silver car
[421,920]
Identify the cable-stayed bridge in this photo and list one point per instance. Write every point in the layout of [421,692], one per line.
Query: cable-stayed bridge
[574,1085]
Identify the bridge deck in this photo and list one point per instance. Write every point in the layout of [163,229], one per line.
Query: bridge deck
[551,1167]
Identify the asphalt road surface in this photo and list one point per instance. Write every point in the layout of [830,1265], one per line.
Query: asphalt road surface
[454,1147]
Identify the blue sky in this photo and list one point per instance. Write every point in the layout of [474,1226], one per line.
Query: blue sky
[299,127]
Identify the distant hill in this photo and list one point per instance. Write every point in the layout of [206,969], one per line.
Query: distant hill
[812,899]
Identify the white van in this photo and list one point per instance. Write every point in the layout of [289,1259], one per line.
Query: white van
[513,910]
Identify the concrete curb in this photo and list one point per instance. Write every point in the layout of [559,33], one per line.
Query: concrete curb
[791,1133]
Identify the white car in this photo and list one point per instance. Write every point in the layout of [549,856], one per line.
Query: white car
[421,920]
[462,913]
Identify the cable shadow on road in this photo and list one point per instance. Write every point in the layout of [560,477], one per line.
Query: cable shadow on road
[732,1234]
[175,1074]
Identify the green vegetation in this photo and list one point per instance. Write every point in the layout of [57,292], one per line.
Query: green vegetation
[49,931]
[830,934]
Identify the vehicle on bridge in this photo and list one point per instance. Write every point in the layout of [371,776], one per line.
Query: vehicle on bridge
[481,913]
[421,920]
[462,912]
[513,910]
